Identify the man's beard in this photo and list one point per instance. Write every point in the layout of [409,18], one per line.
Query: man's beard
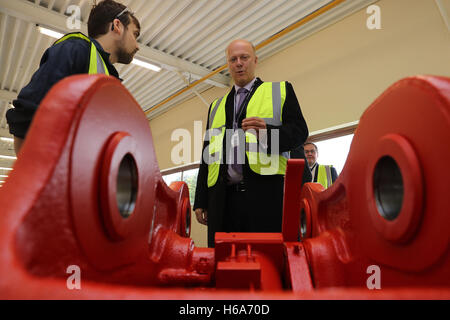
[123,56]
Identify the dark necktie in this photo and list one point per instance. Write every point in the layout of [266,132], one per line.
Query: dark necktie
[242,93]
[237,165]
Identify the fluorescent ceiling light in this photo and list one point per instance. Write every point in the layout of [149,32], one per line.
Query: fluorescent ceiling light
[7,157]
[146,65]
[7,139]
[7,169]
[49,32]
[3,176]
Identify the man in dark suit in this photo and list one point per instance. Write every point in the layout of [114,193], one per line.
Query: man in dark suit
[326,175]
[250,132]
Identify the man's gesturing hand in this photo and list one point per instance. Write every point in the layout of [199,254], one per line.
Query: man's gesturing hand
[256,124]
[253,123]
[202,216]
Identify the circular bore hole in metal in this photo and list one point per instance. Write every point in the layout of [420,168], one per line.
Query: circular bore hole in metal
[388,188]
[188,219]
[303,227]
[127,185]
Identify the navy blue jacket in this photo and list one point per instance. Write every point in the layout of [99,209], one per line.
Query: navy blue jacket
[64,59]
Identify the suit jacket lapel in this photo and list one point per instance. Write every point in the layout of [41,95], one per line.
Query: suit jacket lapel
[229,109]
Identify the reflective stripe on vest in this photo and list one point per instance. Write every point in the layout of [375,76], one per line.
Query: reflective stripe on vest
[324,176]
[96,63]
[215,135]
[267,103]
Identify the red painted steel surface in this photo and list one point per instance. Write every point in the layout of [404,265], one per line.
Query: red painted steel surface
[87,191]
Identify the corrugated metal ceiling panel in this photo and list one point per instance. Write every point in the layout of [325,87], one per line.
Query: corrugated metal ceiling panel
[186,37]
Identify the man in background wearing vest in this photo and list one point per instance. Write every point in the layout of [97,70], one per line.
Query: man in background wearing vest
[113,31]
[249,134]
[325,175]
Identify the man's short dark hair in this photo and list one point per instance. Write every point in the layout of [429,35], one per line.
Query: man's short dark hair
[103,13]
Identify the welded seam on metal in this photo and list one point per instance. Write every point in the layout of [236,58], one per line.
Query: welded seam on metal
[292,27]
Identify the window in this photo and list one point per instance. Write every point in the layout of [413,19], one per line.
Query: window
[169,178]
[187,174]
[334,144]
[190,177]
[334,151]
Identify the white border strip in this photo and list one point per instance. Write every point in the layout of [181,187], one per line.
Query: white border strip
[341,126]
[180,167]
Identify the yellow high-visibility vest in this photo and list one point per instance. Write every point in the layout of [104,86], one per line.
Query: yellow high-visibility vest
[96,63]
[267,103]
[324,175]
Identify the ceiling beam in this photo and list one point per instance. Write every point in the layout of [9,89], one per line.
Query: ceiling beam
[33,13]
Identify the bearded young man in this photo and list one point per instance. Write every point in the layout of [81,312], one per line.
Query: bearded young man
[113,33]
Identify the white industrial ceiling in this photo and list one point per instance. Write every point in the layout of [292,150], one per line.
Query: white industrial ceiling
[187,38]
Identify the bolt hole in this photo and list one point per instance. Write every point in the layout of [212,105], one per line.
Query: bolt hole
[188,220]
[388,188]
[303,226]
[127,186]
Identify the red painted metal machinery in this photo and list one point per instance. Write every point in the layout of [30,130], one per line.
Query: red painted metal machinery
[86,191]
